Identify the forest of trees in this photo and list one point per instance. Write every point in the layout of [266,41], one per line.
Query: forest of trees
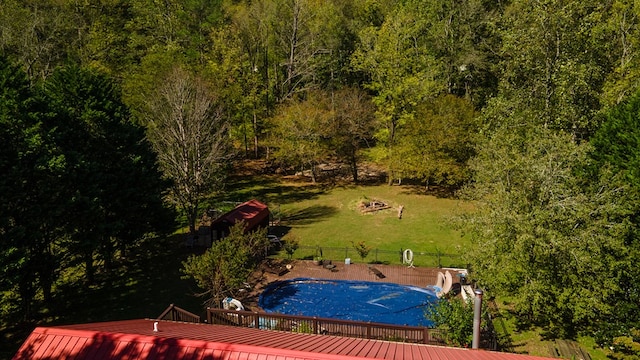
[529,108]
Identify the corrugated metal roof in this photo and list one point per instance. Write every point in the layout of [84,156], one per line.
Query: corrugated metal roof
[135,339]
[252,212]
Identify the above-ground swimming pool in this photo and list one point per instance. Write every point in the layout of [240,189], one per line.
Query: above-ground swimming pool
[349,300]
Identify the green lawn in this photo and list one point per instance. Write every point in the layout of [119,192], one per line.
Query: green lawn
[330,218]
[314,215]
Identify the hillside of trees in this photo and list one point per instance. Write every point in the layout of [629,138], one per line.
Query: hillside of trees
[116,113]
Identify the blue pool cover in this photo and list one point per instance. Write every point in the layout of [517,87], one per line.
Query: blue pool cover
[349,300]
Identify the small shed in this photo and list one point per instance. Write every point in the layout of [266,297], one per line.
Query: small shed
[254,213]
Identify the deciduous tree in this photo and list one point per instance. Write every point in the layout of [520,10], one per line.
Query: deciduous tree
[306,38]
[237,70]
[300,135]
[324,126]
[556,244]
[351,126]
[618,35]
[188,132]
[436,143]
[224,267]
[463,40]
[553,65]
[402,73]
[455,317]
[38,35]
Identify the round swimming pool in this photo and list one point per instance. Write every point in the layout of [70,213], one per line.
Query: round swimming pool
[349,300]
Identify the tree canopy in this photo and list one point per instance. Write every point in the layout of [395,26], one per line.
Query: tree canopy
[227,264]
[529,106]
[188,132]
[555,242]
[81,182]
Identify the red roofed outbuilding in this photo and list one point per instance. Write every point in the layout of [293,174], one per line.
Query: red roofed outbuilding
[136,339]
[254,213]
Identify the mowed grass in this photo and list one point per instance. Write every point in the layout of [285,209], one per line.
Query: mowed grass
[315,215]
[324,217]
[329,217]
[337,220]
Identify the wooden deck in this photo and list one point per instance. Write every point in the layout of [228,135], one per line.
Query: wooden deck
[398,274]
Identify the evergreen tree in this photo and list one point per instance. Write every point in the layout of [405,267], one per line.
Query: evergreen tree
[116,196]
[29,218]
[616,147]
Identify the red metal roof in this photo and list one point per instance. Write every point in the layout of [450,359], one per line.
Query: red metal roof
[135,339]
[252,212]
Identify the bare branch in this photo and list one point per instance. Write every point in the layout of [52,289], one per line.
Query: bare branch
[187,130]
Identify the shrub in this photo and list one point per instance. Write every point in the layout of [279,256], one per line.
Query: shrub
[362,249]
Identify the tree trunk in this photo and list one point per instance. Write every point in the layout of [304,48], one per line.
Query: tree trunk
[46,278]
[89,268]
[47,269]
[107,254]
[313,173]
[293,45]
[255,135]
[246,138]
[354,167]
[192,218]
[27,293]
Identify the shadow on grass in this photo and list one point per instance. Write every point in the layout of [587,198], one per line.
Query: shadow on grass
[11,338]
[270,190]
[441,192]
[310,214]
[141,287]
[279,230]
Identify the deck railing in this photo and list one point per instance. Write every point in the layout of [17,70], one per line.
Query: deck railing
[175,313]
[314,325]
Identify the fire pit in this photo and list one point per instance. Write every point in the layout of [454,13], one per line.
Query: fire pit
[367,206]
